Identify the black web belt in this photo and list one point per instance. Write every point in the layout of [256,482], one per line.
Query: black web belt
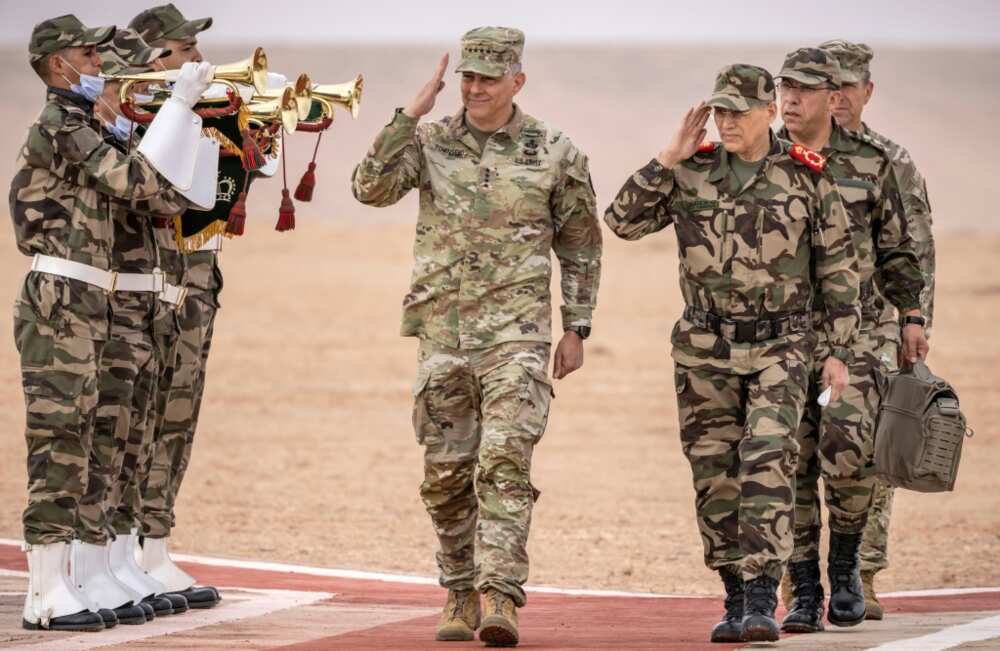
[749,331]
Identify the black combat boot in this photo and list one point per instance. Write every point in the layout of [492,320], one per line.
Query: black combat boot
[730,629]
[806,612]
[847,597]
[759,602]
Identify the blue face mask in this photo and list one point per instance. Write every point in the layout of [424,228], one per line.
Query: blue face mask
[121,129]
[90,86]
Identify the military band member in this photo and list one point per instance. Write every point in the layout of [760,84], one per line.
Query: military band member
[837,442]
[762,234]
[183,382]
[67,181]
[498,190]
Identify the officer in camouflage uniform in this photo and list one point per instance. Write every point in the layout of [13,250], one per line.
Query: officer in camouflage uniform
[498,189]
[837,442]
[762,235]
[68,183]
[186,338]
[855,93]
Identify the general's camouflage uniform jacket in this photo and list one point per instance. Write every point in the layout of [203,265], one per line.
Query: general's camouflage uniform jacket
[758,251]
[61,198]
[916,204]
[886,253]
[486,223]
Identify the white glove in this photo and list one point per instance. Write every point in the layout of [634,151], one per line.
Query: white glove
[193,80]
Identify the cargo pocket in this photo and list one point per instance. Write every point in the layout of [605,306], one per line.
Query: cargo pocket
[536,399]
[424,427]
[55,421]
[34,341]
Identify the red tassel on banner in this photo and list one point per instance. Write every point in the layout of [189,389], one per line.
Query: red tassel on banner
[286,213]
[237,216]
[306,185]
[253,159]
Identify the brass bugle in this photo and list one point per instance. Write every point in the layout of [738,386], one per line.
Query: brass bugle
[347,95]
[284,109]
[301,90]
[251,71]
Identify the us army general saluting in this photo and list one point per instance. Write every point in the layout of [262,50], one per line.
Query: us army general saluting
[761,233]
[498,189]
[60,201]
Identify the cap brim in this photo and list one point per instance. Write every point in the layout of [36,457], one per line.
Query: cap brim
[149,55]
[484,68]
[728,102]
[95,36]
[803,78]
[851,77]
[189,29]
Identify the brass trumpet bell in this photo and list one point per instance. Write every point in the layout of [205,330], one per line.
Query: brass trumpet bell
[285,110]
[301,90]
[347,95]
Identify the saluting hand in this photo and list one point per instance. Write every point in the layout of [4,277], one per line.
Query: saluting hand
[688,137]
[424,101]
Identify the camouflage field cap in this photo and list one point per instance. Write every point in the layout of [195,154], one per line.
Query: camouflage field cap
[54,34]
[811,67]
[491,51]
[853,58]
[128,51]
[740,86]
[167,22]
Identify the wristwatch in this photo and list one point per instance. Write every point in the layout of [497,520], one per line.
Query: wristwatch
[581,331]
[912,320]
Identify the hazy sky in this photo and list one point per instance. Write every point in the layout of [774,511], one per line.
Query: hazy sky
[951,23]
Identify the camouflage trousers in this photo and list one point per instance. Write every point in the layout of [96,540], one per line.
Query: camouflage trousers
[738,433]
[479,414]
[127,371]
[837,444]
[59,374]
[177,417]
[875,542]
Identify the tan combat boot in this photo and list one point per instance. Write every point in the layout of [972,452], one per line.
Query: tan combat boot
[787,596]
[460,617]
[500,624]
[873,609]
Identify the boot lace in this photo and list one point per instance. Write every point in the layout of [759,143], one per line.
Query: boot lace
[806,584]
[843,561]
[761,597]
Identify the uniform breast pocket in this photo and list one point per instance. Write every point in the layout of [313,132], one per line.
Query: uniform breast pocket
[699,234]
[858,196]
[783,228]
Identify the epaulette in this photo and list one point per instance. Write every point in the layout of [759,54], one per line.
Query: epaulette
[811,159]
[869,140]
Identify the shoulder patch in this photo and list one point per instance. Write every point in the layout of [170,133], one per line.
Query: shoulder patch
[811,159]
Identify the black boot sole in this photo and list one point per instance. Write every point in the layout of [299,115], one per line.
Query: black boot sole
[844,623]
[80,628]
[799,627]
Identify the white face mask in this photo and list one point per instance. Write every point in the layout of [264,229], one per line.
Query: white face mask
[90,86]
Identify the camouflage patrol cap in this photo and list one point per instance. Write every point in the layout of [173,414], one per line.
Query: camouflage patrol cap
[128,51]
[491,51]
[811,67]
[167,22]
[740,86]
[853,58]
[55,34]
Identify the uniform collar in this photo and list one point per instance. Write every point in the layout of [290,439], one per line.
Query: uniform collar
[458,129]
[722,166]
[63,96]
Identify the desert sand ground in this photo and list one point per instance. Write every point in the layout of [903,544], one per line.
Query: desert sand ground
[305,451]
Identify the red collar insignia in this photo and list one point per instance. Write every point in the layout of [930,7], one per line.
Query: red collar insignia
[811,159]
[707,147]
